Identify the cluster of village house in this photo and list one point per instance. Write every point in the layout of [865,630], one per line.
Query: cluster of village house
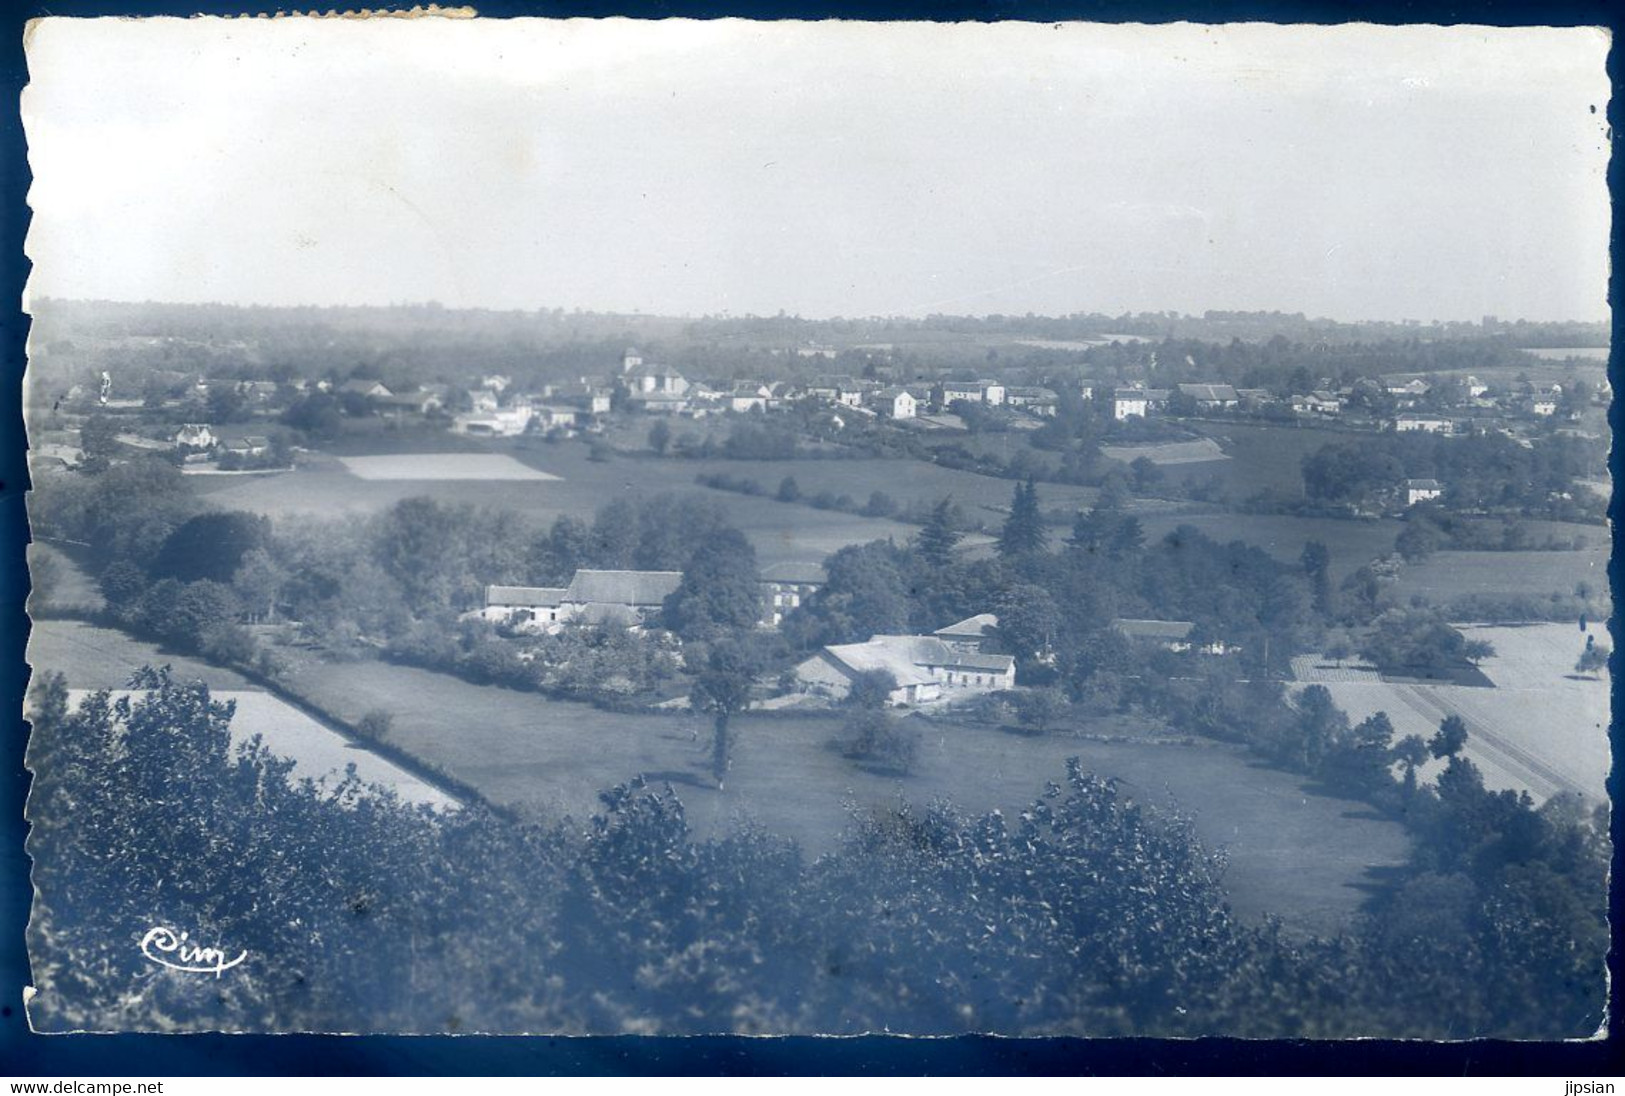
[954,661]
[495,409]
[660,390]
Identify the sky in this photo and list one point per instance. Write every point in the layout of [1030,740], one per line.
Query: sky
[822,169]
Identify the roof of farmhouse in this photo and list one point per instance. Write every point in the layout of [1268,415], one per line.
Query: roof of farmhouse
[905,657]
[1153,629]
[648,588]
[976,627]
[1209,391]
[525,597]
[810,574]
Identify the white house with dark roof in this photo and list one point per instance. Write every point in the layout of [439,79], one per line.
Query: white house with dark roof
[1132,403]
[624,598]
[195,435]
[894,403]
[523,608]
[1422,490]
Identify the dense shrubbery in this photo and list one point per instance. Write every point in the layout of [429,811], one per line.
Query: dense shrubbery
[1087,914]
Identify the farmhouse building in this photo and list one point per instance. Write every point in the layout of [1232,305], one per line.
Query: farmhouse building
[251,446]
[554,416]
[895,403]
[1422,490]
[746,397]
[1037,401]
[1431,424]
[624,598]
[924,667]
[1130,403]
[494,423]
[949,391]
[1317,403]
[195,435]
[973,635]
[785,586]
[1406,386]
[589,399]
[421,402]
[372,390]
[1170,635]
[653,380]
[523,608]
[1211,397]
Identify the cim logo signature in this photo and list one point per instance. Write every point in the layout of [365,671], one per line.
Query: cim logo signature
[162,946]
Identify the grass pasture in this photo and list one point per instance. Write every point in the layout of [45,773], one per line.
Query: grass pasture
[1352,543]
[1292,852]
[983,498]
[92,657]
[1262,456]
[1444,576]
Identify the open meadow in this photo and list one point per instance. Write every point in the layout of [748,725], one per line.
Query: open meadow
[1292,852]
[1353,543]
[1543,729]
[1444,576]
[1261,456]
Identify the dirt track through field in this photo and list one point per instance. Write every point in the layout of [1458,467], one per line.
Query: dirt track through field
[1518,762]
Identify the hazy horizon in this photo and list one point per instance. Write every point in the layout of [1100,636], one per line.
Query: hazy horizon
[825,170]
[784,313]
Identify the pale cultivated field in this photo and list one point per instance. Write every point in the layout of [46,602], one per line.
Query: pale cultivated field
[317,753]
[1174,452]
[442,466]
[1542,729]
[92,658]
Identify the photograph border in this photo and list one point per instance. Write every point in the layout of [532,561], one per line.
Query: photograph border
[25,1054]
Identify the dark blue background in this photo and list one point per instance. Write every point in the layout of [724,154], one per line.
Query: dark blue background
[23,1054]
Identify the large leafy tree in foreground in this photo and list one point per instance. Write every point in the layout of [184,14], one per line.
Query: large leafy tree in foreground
[1088,913]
